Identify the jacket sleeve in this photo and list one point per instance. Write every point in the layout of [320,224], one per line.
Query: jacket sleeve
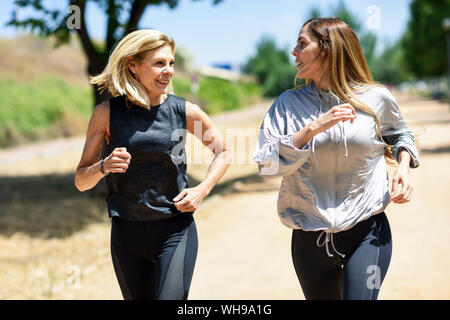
[275,152]
[395,132]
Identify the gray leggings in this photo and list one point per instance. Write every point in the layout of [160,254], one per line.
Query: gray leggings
[367,249]
[154,259]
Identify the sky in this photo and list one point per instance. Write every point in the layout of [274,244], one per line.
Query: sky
[229,32]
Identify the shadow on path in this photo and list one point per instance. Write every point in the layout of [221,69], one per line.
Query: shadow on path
[441,149]
[50,206]
[47,206]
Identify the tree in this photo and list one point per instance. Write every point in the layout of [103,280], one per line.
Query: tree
[367,39]
[53,22]
[424,39]
[390,66]
[272,67]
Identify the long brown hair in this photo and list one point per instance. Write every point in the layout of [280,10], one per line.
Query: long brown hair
[348,67]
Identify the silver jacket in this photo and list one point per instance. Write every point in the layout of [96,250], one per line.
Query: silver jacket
[339,178]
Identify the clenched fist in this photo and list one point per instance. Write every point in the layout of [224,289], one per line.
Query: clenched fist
[117,162]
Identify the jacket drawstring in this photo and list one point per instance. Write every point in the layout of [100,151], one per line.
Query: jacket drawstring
[328,238]
[342,127]
[314,153]
[313,142]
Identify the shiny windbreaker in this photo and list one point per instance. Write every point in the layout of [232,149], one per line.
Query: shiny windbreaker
[339,178]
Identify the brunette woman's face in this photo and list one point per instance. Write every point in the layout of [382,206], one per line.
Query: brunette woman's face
[155,70]
[308,59]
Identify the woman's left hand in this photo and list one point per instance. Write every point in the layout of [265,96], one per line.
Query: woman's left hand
[189,199]
[401,186]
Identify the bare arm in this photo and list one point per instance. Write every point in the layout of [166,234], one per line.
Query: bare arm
[88,172]
[189,199]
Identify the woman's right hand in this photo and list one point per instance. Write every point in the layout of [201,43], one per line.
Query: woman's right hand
[117,162]
[342,112]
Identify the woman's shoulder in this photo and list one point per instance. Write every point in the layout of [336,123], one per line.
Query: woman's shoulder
[193,109]
[377,96]
[374,90]
[288,97]
[177,104]
[293,99]
[294,93]
[100,117]
[120,99]
[195,115]
[102,109]
[176,99]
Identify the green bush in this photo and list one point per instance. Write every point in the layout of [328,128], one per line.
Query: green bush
[48,106]
[272,66]
[28,107]
[216,95]
[181,86]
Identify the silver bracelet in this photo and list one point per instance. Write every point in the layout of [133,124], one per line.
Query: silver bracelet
[101,168]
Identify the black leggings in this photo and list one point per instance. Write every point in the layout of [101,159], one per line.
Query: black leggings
[154,259]
[357,276]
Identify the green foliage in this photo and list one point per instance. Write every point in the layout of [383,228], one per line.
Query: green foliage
[53,22]
[424,39]
[28,108]
[48,106]
[390,66]
[217,95]
[367,39]
[280,79]
[272,67]
[181,85]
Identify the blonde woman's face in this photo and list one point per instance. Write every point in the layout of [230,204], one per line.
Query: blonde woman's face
[309,63]
[155,71]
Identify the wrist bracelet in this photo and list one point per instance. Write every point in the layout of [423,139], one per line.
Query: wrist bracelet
[101,168]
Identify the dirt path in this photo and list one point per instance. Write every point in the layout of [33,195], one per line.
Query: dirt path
[244,251]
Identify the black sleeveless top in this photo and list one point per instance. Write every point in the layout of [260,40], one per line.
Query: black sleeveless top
[157,172]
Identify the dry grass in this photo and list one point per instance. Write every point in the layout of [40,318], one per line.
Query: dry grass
[52,237]
[30,57]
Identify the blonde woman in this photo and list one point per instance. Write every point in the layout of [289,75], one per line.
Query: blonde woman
[328,141]
[153,233]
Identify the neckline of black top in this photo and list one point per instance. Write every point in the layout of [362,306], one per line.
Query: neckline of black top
[152,108]
[161,104]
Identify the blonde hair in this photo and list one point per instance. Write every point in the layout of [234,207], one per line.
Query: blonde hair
[117,77]
[348,67]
